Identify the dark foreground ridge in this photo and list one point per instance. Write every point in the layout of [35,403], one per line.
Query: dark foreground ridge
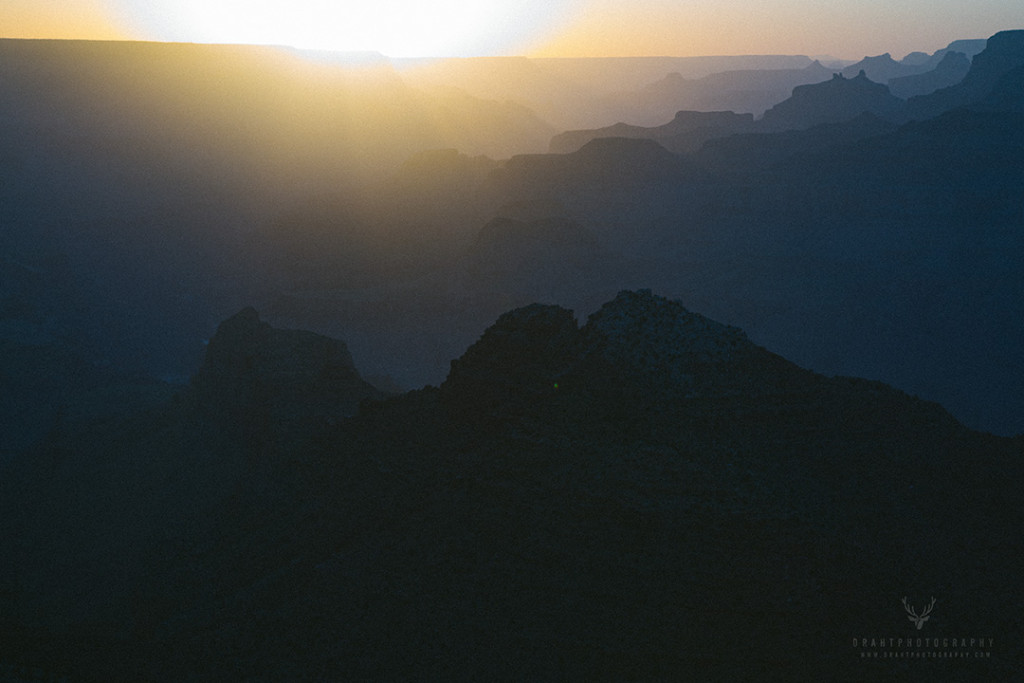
[650,496]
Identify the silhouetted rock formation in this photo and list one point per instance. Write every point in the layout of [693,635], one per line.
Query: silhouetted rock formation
[621,162]
[628,155]
[950,71]
[687,131]
[750,91]
[659,344]
[840,222]
[518,359]
[967,47]
[637,339]
[565,506]
[257,377]
[839,99]
[916,59]
[881,69]
[1003,54]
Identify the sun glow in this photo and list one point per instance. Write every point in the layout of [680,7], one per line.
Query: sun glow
[397,28]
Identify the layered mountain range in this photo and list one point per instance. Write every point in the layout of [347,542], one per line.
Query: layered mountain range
[915,90]
[148,192]
[849,245]
[475,484]
[647,496]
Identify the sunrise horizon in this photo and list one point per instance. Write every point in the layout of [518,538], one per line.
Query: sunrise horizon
[540,54]
[571,29]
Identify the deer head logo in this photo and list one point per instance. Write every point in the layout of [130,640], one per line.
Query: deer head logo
[912,614]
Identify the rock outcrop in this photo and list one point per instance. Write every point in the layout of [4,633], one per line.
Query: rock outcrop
[637,343]
[518,359]
[257,377]
[659,343]
[834,101]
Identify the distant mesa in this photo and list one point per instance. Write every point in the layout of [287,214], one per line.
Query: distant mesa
[991,70]
[950,71]
[822,97]
[750,91]
[799,103]
[986,82]
[880,69]
[916,59]
[883,68]
[618,161]
[573,140]
[686,132]
[970,48]
[631,150]
[833,101]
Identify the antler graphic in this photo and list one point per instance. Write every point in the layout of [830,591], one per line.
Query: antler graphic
[918,619]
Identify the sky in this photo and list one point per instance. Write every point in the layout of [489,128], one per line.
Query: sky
[848,29]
